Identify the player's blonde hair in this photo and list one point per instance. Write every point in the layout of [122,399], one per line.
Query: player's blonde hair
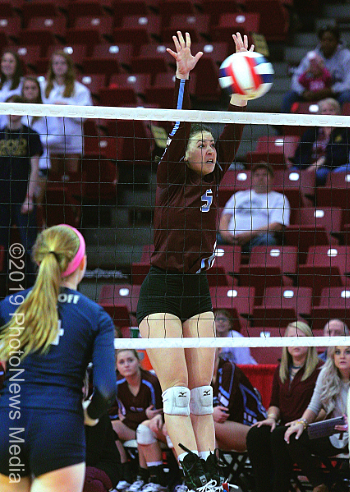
[311,357]
[35,321]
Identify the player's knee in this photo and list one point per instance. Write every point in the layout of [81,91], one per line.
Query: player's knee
[201,400]
[144,435]
[176,401]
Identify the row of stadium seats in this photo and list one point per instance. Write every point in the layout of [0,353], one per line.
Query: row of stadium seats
[274,14]
[280,305]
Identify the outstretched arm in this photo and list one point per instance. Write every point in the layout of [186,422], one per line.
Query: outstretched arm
[241,45]
[185,61]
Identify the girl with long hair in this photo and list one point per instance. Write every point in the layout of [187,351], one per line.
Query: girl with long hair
[48,336]
[10,78]
[175,299]
[331,395]
[292,388]
[61,87]
[139,409]
[49,128]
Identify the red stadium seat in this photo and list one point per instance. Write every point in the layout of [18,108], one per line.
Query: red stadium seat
[313,226]
[121,294]
[137,31]
[94,82]
[228,258]
[8,8]
[29,56]
[9,30]
[216,51]
[109,59]
[90,30]
[100,178]
[137,81]
[141,8]
[162,91]
[274,149]
[117,96]
[238,300]
[119,313]
[264,332]
[138,142]
[283,305]
[207,82]
[152,59]
[44,32]
[246,23]
[266,355]
[336,193]
[216,8]
[60,206]
[42,8]
[93,8]
[169,8]
[306,182]
[197,25]
[325,267]
[274,18]
[334,303]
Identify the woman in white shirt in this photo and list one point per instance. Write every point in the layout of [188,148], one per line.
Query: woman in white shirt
[331,395]
[60,87]
[10,79]
[50,129]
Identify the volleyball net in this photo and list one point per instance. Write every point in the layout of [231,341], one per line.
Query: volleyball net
[110,197]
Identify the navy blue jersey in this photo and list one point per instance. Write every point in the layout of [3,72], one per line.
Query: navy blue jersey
[54,380]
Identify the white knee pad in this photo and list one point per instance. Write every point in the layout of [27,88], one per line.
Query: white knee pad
[202,400]
[176,401]
[144,435]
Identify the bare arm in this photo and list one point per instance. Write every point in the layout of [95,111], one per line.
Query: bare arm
[28,205]
[223,228]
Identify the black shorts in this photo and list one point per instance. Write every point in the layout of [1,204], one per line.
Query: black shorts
[183,295]
[45,440]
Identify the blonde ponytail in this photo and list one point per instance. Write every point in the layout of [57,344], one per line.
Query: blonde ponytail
[35,322]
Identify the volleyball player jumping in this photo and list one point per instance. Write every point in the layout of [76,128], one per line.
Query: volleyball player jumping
[174,299]
[50,334]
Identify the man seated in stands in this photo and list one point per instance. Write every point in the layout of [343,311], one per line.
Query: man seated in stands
[336,59]
[254,217]
[334,328]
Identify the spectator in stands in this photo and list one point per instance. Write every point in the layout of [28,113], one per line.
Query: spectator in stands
[254,217]
[20,150]
[224,328]
[102,455]
[337,61]
[10,79]
[237,405]
[61,87]
[330,395]
[138,415]
[334,328]
[49,128]
[323,149]
[316,77]
[292,388]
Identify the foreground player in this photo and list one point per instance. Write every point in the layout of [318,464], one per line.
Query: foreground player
[174,299]
[52,333]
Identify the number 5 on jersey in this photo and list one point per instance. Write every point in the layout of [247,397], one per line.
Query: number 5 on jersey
[208,199]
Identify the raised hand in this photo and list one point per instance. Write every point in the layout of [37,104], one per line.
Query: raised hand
[185,61]
[241,44]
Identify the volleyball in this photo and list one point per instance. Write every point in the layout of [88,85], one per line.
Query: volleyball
[246,73]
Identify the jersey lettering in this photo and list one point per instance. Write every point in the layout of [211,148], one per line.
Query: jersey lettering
[69,298]
[59,334]
[208,199]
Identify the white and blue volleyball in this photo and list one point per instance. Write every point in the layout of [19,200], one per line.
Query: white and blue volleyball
[246,73]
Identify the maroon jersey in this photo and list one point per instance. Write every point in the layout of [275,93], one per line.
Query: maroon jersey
[293,398]
[233,390]
[185,216]
[134,407]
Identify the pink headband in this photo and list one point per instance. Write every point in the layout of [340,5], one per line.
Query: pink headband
[73,265]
